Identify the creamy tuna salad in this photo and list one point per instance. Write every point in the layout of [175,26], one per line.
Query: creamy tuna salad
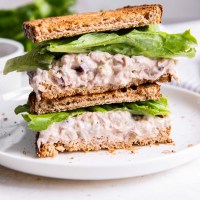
[98,69]
[114,126]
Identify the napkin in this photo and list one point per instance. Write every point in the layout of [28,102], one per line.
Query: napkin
[189,74]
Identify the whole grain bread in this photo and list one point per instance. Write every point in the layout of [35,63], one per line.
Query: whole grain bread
[77,24]
[52,150]
[132,94]
[54,91]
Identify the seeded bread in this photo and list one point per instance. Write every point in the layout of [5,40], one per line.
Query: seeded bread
[132,94]
[77,24]
[52,150]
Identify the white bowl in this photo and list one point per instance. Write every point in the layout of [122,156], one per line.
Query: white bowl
[9,49]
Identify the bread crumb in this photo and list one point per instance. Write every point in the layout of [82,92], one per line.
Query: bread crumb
[134,149]
[24,152]
[168,151]
[5,119]
[172,143]
[111,150]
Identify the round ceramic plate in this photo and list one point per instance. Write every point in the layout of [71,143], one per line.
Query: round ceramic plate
[17,145]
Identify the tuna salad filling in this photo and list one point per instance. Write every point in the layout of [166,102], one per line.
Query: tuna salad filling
[99,69]
[114,126]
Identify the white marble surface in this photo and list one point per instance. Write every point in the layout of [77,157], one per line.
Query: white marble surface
[179,183]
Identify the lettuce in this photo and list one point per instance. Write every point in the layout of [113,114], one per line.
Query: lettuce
[38,57]
[146,41]
[42,122]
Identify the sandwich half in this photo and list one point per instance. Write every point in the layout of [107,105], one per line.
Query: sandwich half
[95,79]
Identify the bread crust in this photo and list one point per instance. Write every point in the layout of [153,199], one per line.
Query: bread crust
[77,24]
[132,94]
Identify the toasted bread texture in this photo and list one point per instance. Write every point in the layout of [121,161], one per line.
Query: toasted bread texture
[77,24]
[132,94]
[52,150]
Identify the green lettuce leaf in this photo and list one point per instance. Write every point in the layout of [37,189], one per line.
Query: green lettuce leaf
[147,43]
[22,108]
[42,122]
[38,57]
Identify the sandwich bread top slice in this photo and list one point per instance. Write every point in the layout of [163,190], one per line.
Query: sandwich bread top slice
[78,24]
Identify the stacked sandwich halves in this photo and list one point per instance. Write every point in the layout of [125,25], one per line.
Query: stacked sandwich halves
[94,78]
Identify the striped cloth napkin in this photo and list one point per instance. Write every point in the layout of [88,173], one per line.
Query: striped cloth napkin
[189,74]
[193,86]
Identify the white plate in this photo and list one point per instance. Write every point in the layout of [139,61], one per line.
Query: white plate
[17,149]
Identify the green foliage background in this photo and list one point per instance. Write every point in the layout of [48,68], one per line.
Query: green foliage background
[11,20]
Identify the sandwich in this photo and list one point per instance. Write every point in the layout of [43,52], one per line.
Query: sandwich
[95,79]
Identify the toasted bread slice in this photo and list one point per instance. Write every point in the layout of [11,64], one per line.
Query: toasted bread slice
[77,24]
[132,94]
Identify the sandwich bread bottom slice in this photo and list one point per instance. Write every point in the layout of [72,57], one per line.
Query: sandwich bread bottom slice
[132,94]
[93,131]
